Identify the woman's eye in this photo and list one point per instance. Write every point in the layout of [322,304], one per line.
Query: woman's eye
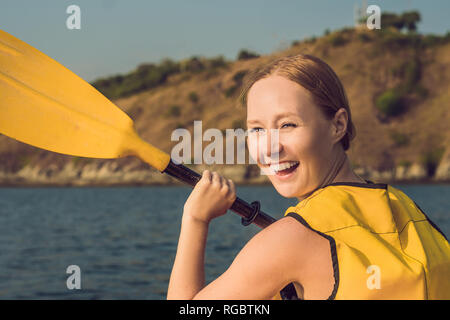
[293,125]
[256,130]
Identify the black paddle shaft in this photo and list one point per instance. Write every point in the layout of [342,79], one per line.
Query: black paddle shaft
[250,213]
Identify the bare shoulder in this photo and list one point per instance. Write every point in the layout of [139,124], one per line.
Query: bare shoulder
[284,252]
[294,245]
[298,240]
[305,252]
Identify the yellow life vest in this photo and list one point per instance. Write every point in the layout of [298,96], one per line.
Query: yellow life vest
[383,245]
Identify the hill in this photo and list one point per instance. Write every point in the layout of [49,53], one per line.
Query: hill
[397,84]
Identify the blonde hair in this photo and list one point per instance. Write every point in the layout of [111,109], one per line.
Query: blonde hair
[315,76]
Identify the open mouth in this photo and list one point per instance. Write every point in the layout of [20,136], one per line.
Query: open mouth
[285,168]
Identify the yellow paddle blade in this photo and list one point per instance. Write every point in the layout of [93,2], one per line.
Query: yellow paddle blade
[46,105]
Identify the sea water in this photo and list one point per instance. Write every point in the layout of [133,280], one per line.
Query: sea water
[124,239]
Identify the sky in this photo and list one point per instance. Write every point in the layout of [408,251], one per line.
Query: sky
[118,35]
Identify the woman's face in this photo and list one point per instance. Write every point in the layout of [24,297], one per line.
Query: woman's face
[302,158]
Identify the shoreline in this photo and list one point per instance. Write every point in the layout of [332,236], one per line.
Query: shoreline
[134,174]
[30,185]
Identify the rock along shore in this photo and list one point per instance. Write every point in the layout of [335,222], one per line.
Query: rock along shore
[110,173]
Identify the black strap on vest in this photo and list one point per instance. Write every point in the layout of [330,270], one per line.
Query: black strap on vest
[289,293]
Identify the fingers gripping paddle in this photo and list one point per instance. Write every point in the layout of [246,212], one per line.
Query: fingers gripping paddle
[46,105]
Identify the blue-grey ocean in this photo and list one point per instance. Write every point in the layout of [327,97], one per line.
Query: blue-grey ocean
[124,239]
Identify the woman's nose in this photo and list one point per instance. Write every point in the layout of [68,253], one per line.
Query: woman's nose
[271,147]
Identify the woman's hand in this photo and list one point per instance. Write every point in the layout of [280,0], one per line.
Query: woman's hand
[212,196]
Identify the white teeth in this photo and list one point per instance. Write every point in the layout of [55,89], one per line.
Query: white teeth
[282,166]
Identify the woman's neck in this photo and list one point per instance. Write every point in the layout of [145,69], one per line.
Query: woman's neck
[346,173]
[340,171]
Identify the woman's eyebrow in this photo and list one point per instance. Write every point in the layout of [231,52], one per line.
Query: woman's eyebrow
[277,117]
[253,121]
[286,114]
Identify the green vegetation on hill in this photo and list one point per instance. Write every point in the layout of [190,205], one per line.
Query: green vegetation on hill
[149,75]
[406,20]
[245,55]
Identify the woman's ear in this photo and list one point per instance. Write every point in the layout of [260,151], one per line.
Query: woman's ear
[339,124]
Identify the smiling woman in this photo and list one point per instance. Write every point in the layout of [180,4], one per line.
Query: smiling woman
[347,238]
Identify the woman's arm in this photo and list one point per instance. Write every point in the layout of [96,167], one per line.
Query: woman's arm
[211,197]
[188,276]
